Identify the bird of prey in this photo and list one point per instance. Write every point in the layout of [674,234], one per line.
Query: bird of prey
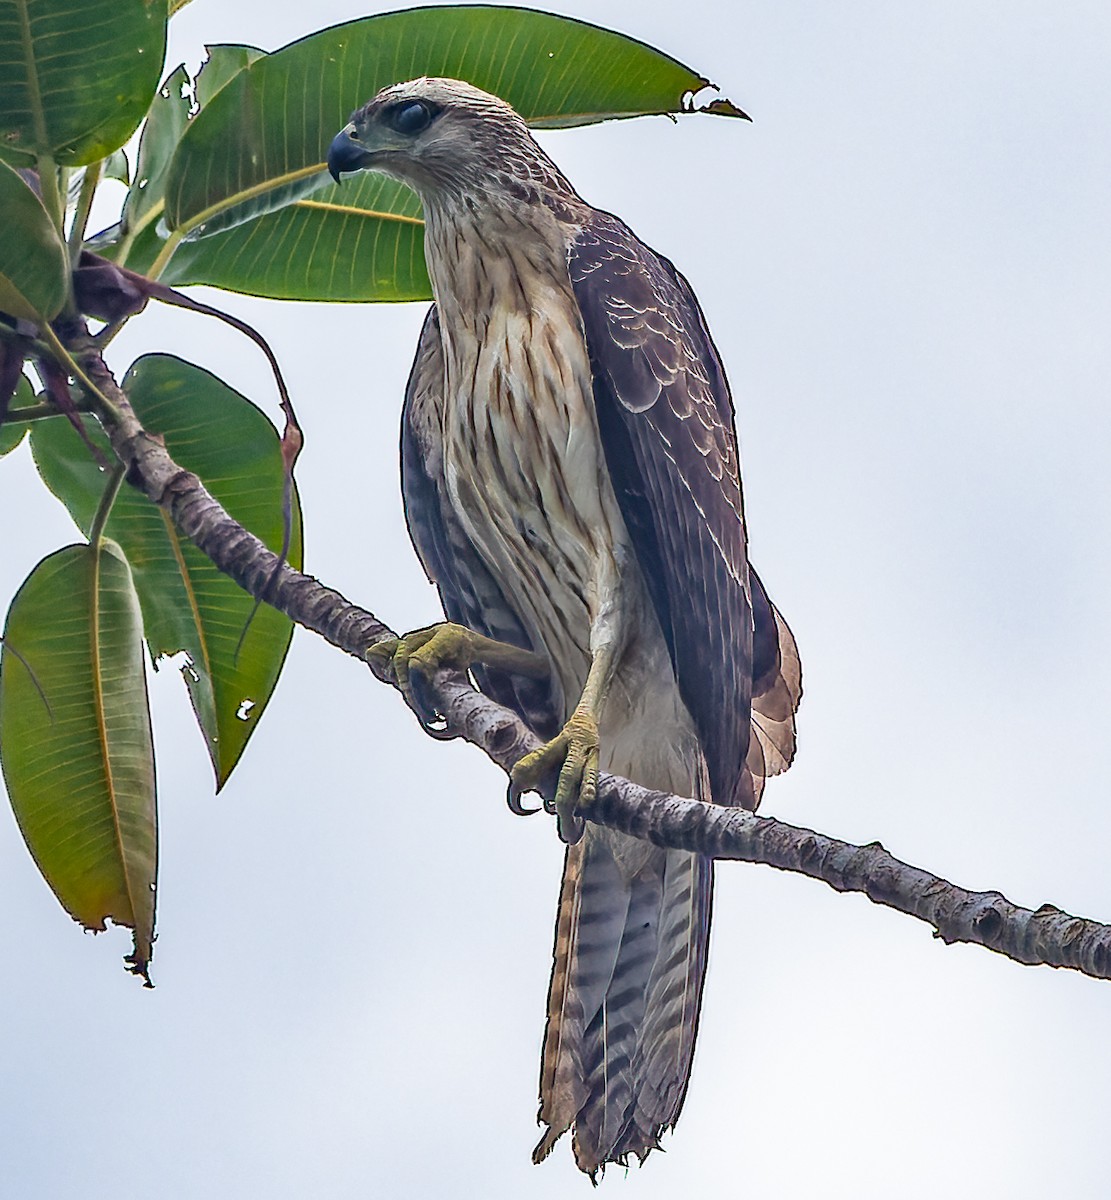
[571,485]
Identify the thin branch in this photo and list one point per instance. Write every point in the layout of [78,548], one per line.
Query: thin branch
[201,518]
[1045,936]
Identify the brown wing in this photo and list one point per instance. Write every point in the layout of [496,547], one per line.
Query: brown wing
[469,593]
[666,421]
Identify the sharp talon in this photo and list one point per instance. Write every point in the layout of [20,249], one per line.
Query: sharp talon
[440,730]
[570,763]
[513,797]
[430,716]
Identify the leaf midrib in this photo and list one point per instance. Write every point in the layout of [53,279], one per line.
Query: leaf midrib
[37,113]
[258,189]
[97,552]
[348,210]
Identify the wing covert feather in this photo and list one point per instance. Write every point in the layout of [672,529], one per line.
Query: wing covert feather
[666,420]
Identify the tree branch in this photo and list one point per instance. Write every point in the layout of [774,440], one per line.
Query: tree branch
[1045,936]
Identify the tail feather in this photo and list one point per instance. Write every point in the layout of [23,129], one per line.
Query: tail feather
[592,911]
[674,992]
[612,1036]
[622,1017]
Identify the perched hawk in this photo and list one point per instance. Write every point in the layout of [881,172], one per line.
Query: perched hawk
[572,488]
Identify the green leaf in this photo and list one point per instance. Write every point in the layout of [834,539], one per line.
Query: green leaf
[76,79]
[13,431]
[188,605]
[265,135]
[375,220]
[75,729]
[224,62]
[166,122]
[364,242]
[34,267]
[135,240]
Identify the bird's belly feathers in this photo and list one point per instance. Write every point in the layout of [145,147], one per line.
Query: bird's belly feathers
[526,475]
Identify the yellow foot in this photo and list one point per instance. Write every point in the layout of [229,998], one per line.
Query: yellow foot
[411,661]
[573,752]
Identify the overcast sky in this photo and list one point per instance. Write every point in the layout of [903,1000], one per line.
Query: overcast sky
[905,262]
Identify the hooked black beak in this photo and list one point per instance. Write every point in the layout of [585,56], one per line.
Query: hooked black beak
[346,154]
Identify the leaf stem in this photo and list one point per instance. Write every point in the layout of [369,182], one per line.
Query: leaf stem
[123,249]
[165,254]
[36,412]
[51,194]
[104,508]
[81,215]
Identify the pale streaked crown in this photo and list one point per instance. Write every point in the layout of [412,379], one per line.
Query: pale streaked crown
[449,139]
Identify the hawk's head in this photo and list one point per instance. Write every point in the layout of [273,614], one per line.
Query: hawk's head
[443,136]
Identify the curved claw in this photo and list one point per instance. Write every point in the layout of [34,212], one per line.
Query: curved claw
[513,795]
[583,768]
[573,753]
[423,704]
[438,728]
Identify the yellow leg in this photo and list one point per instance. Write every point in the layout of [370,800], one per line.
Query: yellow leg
[573,752]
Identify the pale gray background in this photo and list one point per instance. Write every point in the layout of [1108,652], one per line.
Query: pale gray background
[905,263]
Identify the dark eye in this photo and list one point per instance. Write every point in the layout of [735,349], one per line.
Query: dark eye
[410,116]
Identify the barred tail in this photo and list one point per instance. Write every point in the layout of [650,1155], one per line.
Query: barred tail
[630,959]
